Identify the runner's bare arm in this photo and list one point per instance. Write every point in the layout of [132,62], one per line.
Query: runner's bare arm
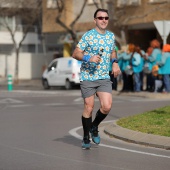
[79,55]
[114,54]
[115,67]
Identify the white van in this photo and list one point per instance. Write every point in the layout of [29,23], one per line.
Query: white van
[63,71]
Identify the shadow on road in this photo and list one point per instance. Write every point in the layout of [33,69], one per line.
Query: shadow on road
[72,141]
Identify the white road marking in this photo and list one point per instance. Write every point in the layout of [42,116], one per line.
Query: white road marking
[9,100]
[23,105]
[74,133]
[78,99]
[53,104]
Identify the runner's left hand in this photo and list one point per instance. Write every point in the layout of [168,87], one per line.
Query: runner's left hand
[116,70]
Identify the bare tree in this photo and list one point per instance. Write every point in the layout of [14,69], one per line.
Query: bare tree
[28,12]
[70,29]
[99,5]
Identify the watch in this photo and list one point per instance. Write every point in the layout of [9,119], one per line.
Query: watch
[114,60]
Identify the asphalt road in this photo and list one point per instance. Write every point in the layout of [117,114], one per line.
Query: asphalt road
[41,130]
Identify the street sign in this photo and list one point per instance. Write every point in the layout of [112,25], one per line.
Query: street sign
[163,28]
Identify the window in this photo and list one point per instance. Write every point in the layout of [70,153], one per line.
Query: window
[10,21]
[122,3]
[52,66]
[6,48]
[92,1]
[52,4]
[157,1]
[134,2]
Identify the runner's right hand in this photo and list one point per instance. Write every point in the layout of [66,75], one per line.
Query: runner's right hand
[95,59]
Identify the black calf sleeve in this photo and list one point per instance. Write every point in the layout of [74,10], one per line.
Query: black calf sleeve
[99,118]
[86,122]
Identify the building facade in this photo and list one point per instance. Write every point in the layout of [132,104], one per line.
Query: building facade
[14,21]
[130,20]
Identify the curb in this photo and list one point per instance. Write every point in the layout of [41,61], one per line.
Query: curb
[148,95]
[127,135]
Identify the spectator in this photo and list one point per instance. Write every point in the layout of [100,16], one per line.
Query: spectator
[164,65]
[142,55]
[128,74]
[152,59]
[123,62]
[137,65]
[112,78]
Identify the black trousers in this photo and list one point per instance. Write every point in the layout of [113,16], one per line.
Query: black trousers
[113,80]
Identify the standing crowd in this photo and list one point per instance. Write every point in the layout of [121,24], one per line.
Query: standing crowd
[135,63]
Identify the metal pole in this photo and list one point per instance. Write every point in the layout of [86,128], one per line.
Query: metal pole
[164,33]
[36,43]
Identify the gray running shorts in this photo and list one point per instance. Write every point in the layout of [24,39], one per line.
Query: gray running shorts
[89,88]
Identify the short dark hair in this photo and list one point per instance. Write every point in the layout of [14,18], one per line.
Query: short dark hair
[100,9]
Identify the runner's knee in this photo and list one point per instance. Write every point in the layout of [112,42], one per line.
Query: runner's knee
[105,109]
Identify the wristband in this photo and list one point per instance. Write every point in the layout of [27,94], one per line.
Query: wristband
[86,58]
[114,60]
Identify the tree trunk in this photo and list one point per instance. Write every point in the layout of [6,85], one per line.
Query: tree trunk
[16,80]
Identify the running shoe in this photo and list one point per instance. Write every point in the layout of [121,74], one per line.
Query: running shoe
[86,143]
[94,135]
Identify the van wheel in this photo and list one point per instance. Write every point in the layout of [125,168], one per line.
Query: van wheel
[45,84]
[68,85]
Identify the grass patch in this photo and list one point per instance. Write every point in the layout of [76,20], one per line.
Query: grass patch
[155,122]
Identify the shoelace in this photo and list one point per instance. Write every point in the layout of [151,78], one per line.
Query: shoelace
[86,141]
[95,132]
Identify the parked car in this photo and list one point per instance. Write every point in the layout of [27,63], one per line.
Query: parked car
[63,71]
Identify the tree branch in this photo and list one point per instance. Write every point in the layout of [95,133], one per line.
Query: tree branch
[79,15]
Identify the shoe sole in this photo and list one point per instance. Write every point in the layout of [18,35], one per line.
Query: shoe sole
[86,148]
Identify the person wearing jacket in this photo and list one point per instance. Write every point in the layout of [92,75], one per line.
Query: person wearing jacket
[122,64]
[142,55]
[127,67]
[164,67]
[152,59]
[137,69]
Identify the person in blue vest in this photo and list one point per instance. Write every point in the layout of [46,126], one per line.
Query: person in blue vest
[127,67]
[152,59]
[122,64]
[142,55]
[137,68]
[164,67]
[112,78]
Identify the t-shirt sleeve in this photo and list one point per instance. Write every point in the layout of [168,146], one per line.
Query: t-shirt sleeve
[114,44]
[83,43]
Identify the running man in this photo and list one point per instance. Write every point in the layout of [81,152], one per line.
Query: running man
[96,50]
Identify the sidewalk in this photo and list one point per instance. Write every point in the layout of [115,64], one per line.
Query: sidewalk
[144,94]
[26,83]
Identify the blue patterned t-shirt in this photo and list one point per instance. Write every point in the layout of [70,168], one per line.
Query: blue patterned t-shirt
[92,43]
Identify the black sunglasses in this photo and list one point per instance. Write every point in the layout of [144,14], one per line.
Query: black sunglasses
[102,18]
